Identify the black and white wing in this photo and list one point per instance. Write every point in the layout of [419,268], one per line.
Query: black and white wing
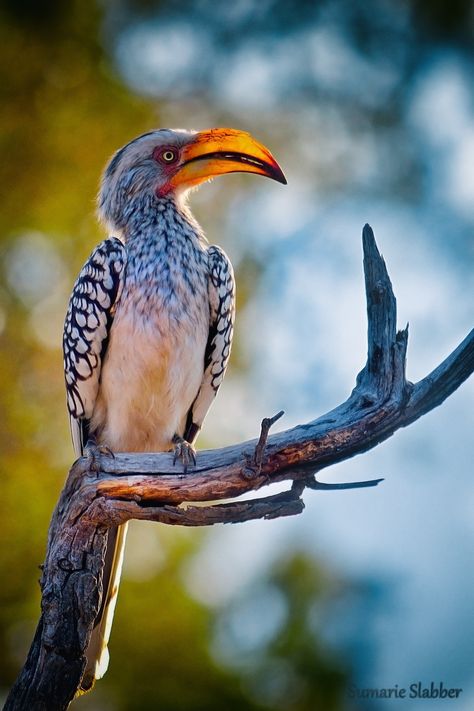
[86,331]
[221,291]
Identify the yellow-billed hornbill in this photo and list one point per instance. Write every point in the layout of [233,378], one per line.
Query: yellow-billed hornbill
[148,330]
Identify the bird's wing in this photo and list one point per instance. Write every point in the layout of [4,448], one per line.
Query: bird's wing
[221,291]
[86,331]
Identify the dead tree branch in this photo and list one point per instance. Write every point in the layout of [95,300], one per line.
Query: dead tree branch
[147,487]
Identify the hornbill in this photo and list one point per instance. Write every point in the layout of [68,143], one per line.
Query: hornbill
[148,330]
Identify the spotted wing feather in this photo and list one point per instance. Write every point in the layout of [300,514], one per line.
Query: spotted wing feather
[221,291]
[86,330]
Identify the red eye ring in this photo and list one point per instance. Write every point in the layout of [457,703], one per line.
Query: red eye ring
[168,156]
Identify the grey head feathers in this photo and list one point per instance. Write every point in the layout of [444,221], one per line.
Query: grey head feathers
[132,176]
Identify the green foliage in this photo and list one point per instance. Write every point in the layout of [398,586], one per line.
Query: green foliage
[273,635]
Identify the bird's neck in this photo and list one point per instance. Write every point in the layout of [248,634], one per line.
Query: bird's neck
[166,262]
[163,221]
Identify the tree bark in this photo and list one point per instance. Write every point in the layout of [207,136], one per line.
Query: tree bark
[148,487]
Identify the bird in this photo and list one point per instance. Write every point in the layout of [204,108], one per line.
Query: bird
[148,329]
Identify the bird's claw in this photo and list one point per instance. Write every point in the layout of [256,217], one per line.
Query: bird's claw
[184,451]
[93,452]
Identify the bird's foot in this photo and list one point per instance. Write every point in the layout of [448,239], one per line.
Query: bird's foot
[93,453]
[184,451]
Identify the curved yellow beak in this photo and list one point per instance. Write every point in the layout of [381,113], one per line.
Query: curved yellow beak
[224,150]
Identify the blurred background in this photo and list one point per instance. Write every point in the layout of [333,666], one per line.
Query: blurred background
[369,109]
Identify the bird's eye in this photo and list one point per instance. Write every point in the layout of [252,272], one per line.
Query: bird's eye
[165,155]
[169,156]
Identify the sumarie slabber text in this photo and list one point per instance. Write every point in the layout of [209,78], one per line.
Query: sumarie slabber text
[416,690]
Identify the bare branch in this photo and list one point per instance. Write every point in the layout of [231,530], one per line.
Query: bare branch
[113,512]
[149,487]
[254,465]
[267,422]
[323,486]
[442,381]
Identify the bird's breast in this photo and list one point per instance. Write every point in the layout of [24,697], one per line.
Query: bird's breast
[154,362]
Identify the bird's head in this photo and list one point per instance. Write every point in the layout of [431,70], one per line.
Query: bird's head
[168,163]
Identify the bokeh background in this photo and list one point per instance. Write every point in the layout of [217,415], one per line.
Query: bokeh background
[369,107]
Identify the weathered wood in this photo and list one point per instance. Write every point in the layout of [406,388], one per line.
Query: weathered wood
[148,487]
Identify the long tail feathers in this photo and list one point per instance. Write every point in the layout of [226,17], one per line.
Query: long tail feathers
[97,654]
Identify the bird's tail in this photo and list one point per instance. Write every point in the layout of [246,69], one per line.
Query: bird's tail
[97,654]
